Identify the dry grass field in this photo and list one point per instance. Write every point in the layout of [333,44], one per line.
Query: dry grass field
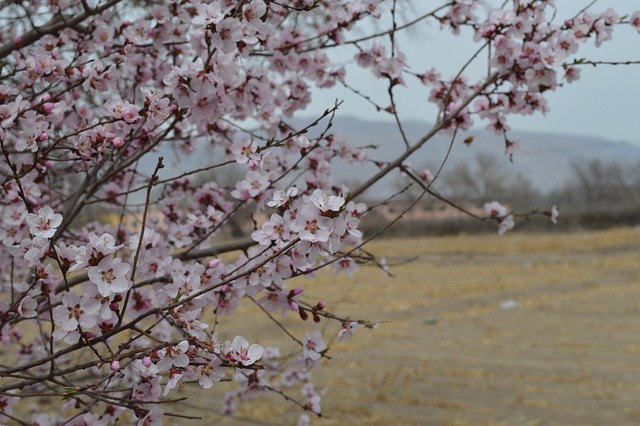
[449,353]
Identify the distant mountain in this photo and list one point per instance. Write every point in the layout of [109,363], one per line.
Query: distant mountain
[545,159]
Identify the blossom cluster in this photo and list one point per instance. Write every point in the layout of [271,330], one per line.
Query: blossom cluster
[125,271]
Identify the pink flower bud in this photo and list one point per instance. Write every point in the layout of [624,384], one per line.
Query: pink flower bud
[17,40]
[43,137]
[146,361]
[89,335]
[213,263]
[47,107]
[320,306]
[115,365]
[46,97]
[303,314]
[296,291]
[293,305]
[113,306]
[117,142]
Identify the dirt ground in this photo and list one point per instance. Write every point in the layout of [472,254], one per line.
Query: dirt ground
[478,330]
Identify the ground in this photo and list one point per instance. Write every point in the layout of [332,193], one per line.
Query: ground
[525,329]
[563,350]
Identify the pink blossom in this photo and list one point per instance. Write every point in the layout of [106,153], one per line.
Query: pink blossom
[244,149]
[74,312]
[348,329]
[253,12]
[34,249]
[210,373]
[281,198]
[326,203]
[130,114]
[109,276]
[240,351]
[228,33]
[634,20]
[313,345]
[495,209]
[553,214]
[27,307]
[208,14]
[173,356]
[104,244]
[45,223]
[506,224]
[311,226]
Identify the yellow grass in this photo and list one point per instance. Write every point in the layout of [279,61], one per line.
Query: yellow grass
[447,354]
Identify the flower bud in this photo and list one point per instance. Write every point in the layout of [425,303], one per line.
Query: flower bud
[146,361]
[47,107]
[294,305]
[320,306]
[296,291]
[115,365]
[303,314]
[117,142]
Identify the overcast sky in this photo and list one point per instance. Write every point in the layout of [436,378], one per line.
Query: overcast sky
[605,102]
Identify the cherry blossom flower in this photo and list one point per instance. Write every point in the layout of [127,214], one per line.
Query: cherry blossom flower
[74,312]
[109,276]
[210,373]
[208,14]
[495,209]
[228,33]
[634,20]
[313,345]
[33,249]
[27,307]
[281,198]
[348,329]
[311,226]
[45,223]
[326,203]
[240,351]
[173,356]
[505,224]
[104,244]
[553,214]
[153,418]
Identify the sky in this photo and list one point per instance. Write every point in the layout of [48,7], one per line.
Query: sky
[604,103]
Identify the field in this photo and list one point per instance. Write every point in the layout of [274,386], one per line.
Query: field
[525,329]
[563,350]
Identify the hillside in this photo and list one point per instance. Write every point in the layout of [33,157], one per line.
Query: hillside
[543,158]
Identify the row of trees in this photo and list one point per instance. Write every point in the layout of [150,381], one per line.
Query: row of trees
[593,194]
[592,186]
